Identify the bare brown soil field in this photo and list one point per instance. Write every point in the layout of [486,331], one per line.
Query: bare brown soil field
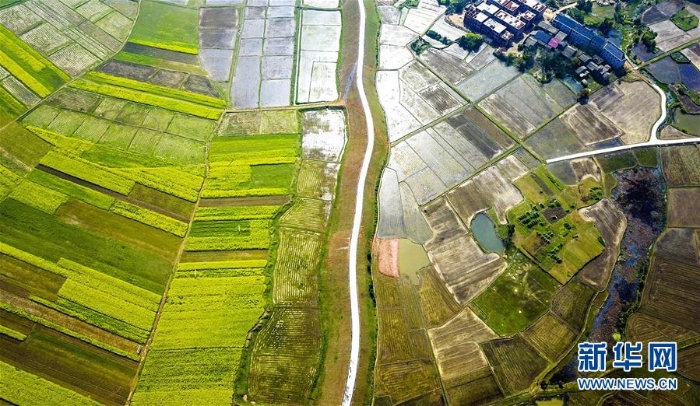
[684,207]
[634,112]
[401,382]
[492,188]
[681,165]
[550,336]
[571,303]
[515,363]
[611,223]
[590,126]
[466,269]
[245,201]
[387,252]
[437,303]
[671,293]
[642,327]
[679,244]
[473,388]
[455,344]
[689,362]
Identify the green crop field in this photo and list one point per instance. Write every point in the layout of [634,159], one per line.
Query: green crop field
[517,298]
[548,228]
[28,66]
[167,26]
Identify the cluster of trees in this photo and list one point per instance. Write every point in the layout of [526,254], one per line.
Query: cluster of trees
[523,62]
[554,64]
[471,41]
[436,36]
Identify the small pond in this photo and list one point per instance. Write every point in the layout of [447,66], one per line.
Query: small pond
[412,257]
[485,233]
[690,123]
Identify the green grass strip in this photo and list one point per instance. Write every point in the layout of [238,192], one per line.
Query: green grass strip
[39,197]
[71,189]
[148,98]
[10,104]
[12,333]
[97,319]
[74,146]
[29,66]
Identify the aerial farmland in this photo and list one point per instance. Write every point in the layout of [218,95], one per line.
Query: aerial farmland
[287,202]
[165,229]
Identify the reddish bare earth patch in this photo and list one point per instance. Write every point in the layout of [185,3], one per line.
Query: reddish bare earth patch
[387,252]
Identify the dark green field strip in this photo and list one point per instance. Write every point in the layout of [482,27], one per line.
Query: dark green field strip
[150,56]
[28,278]
[220,228]
[77,181]
[167,26]
[28,66]
[23,144]
[16,322]
[71,363]
[167,204]
[100,320]
[103,198]
[44,235]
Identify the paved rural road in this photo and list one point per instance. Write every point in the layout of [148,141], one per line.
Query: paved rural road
[653,140]
[359,202]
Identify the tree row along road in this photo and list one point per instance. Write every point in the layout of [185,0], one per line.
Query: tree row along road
[653,140]
[357,219]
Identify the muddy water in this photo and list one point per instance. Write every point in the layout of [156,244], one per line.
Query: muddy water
[412,257]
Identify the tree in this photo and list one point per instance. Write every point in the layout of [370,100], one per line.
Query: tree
[583,95]
[553,63]
[526,61]
[577,15]
[471,41]
[606,25]
[584,5]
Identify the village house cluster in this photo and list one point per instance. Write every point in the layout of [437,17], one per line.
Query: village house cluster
[508,21]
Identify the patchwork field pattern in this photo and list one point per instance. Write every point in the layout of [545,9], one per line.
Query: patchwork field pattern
[612,117]
[263,76]
[225,258]
[319,44]
[286,355]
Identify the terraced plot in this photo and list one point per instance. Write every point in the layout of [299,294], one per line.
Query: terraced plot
[285,358]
